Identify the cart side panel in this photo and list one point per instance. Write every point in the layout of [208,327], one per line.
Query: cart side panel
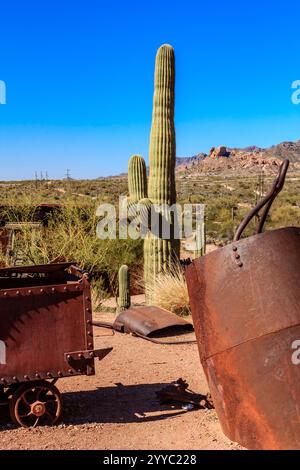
[39,326]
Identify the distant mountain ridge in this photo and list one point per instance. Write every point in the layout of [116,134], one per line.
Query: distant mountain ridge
[240,161]
[236,161]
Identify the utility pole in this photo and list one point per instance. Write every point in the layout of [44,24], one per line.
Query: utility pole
[36,179]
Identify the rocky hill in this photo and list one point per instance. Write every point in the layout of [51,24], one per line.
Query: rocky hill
[240,161]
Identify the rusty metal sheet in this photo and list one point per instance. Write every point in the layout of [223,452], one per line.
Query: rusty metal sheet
[256,390]
[246,315]
[41,268]
[249,296]
[245,302]
[148,320]
[38,325]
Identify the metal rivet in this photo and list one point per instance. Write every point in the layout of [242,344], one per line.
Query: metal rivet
[5,293]
[30,291]
[26,377]
[53,289]
[92,354]
[15,378]
[65,288]
[41,291]
[49,374]
[90,345]
[234,248]
[240,264]
[237,256]
[69,356]
[70,371]
[89,322]
[80,356]
[59,373]
[87,309]
[37,375]
[17,292]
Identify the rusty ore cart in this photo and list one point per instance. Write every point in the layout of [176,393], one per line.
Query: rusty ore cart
[45,333]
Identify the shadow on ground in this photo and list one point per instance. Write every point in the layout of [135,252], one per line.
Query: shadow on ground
[117,404]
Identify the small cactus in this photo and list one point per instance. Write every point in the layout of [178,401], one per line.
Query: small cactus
[124,288]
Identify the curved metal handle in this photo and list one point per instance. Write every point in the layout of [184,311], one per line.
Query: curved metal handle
[266,202]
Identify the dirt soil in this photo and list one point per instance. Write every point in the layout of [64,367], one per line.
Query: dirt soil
[118,409]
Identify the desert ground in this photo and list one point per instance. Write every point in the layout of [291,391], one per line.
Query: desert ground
[118,408]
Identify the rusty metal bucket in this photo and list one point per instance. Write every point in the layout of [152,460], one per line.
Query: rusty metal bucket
[245,301]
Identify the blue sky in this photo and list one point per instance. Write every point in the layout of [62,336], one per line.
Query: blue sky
[79,78]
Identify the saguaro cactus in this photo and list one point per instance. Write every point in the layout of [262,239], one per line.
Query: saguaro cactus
[159,252]
[137,178]
[162,150]
[124,287]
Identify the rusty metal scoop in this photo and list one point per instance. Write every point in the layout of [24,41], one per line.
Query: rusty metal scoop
[245,302]
[146,321]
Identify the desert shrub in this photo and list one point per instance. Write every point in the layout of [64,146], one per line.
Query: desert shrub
[70,235]
[284,216]
[169,291]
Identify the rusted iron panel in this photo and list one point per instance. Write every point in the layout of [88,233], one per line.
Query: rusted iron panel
[245,301]
[248,297]
[256,390]
[148,320]
[41,268]
[39,324]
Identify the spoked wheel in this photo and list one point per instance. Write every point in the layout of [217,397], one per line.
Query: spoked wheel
[35,404]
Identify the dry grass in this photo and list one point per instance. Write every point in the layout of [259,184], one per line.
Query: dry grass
[169,291]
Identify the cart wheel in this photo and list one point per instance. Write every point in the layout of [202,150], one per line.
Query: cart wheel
[35,404]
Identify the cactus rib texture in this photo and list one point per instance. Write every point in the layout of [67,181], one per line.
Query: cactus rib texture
[162,151]
[137,178]
[159,252]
